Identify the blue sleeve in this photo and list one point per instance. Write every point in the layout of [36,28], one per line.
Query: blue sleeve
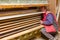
[49,19]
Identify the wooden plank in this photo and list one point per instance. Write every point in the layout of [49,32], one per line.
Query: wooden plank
[21,33]
[12,32]
[9,13]
[16,25]
[21,6]
[18,18]
[20,15]
[8,26]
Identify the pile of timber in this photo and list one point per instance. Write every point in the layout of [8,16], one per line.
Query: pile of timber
[12,25]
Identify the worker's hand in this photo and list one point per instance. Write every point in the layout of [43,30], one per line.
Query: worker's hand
[41,21]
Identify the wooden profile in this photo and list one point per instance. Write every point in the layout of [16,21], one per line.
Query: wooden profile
[22,6]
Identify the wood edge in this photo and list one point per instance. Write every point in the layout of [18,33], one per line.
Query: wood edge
[21,33]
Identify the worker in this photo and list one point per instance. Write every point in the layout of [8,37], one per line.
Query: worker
[49,22]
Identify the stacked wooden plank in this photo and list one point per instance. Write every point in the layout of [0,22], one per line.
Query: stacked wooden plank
[16,25]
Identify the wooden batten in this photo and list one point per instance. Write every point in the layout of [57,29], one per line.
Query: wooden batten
[21,6]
